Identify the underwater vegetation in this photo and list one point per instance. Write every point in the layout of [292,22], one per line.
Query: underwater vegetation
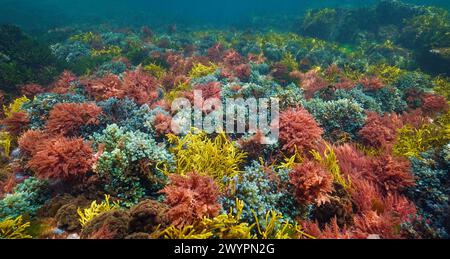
[392,27]
[89,148]
[24,60]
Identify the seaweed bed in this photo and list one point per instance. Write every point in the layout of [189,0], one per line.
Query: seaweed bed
[87,148]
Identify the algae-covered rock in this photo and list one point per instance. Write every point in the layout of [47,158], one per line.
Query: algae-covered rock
[66,216]
[108,225]
[147,216]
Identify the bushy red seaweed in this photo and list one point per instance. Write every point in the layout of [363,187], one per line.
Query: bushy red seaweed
[31,90]
[298,131]
[105,87]
[392,173]
[64,84]
[68,118]
[62,158]
[191,198]
[30,141]
[16,123]
[140,86]
[433,104]
[380,131]
[312,182]
[162,124]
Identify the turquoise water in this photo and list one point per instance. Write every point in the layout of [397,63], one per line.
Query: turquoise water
[52,13]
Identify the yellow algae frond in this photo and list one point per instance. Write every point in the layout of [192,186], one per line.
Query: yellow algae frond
[5,142]
[155,70]
[200,70]
[187,232]
[329,159]
[442,86]
[87,37]
[95,209]
[290,162]
[351,73]
[389,74]
[179,89]
[368,151]
[15,106]
[14,228]
[277,228]
[411,142]
[229,226]
[289,61]
[109,50]
[225,226]
[218,157]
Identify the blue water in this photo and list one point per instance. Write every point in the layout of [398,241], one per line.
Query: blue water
[44,14]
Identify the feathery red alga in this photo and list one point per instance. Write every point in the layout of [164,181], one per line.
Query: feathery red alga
[62,158]
[392,173]
[191,198]
[140,86]
[312,182]
[68,118]
[16,124]
[105,87]
[299,131]
[30,141]
[31,90]
[380,131]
